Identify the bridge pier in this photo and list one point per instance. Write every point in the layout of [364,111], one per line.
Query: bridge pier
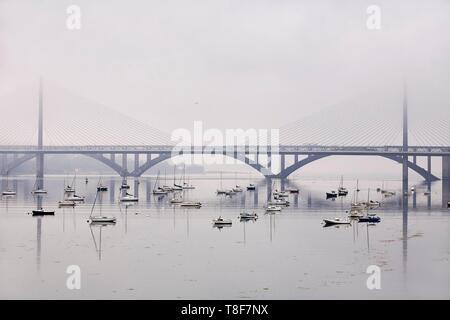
[445,181]
[429,173]
[3,163]
[136,161]
[446,168]
[283,162]
[40,171]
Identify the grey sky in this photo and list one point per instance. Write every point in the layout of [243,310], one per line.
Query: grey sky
[229,63]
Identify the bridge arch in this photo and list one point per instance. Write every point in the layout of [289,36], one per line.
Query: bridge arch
[292,168]
[162,157]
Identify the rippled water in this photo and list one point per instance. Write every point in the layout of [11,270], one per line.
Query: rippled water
[159,251]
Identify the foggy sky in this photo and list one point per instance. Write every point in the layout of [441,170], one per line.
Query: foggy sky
[231,63]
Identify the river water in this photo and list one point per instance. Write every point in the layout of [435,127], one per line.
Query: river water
[157,250]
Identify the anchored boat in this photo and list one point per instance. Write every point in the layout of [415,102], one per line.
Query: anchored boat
[66,203]
[190,204]
[335,221]
[222,222]
[246,215]
[42,212]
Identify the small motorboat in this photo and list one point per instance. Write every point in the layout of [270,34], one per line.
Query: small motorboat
[102,219]
[372,204]
[176,200]
[159,191]
[251,187]
[237,189]
[371,219]
[278,202]
[222,222]
[124,186]
[246,215]
[188,186]
[9,192]
[342,191]
[331,194]
[293,190]
[358,206]
[102,188]
[42,212]
[273,208]
[192,204]
[177,188]
[39,191]
[69,189]
[280,194]
[335,221]
[167,188]
[388,193]
[66,203]
[355,214]
[74,198]
[129,198]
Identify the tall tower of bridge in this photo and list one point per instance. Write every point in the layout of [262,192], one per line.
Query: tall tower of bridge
[40,155]
[405,140]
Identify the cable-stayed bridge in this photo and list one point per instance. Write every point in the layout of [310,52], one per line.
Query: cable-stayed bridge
[57,125]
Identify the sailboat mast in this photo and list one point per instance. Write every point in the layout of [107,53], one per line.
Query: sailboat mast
[95,200]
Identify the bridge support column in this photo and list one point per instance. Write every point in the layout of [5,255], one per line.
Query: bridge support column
[40,171]
[3,163]
[428,173]
[446,168]
[136,161]
[296,158]
[283,162]
[405,175]
[124,165]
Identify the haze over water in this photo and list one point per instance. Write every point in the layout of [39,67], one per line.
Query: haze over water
[157,250]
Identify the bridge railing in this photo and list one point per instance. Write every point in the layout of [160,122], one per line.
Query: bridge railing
[283,149]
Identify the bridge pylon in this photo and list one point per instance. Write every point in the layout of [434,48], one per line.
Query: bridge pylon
[40,155]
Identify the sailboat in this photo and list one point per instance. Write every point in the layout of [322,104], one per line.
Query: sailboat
[165,187]
[221,190]
[236,188]
[100,186]
[8,191]
[71,188]
[186,185]
[370,217]
[157,190]
[99,218]
[176,187]
[37,190]
[341,190]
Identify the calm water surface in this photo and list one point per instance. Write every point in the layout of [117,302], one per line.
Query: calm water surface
[159,251]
